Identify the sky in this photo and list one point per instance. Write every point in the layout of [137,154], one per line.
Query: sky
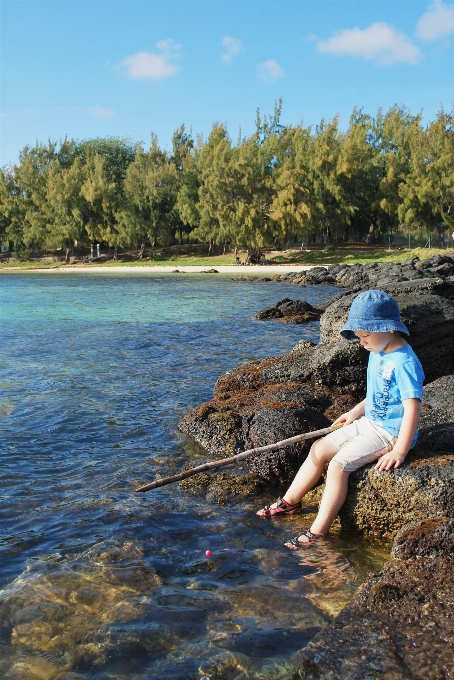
[127,68]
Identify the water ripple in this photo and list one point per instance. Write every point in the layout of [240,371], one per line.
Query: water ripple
[100,582]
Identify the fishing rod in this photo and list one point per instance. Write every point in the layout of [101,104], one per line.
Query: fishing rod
[239,456]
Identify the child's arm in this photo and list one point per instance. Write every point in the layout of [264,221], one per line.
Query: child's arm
[395,458]
[355,413]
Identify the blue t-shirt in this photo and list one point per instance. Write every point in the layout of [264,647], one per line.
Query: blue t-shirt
[391,378]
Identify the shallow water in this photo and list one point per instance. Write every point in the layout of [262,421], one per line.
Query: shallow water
[101,583]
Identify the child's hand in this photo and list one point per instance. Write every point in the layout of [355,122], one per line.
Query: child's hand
[392,459]
[345,419]
[352,415]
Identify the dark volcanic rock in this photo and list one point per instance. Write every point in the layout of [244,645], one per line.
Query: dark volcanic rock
[375,274]
[275,398]
[440,393]
[222,487]
[290,311]
[274,424]
[318,275]
[247,412]
[401,623]
[273,312]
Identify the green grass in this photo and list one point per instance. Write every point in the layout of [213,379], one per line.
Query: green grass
[330,255]
[334,255]
[178,261]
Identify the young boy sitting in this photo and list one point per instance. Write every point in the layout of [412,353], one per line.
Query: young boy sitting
[383,427]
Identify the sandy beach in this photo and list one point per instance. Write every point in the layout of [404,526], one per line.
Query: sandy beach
[251,270]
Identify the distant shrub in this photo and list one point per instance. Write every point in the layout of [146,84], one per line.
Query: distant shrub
[22,254]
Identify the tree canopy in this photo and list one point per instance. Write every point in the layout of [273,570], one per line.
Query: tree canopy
[382,173]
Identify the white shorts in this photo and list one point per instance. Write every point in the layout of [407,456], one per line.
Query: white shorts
[359,443]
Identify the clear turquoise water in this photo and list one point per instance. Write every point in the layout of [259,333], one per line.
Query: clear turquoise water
[98,581]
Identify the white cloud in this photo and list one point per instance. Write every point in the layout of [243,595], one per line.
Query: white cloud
[169,47]
[232,47]
[150,66]
[101,112]
[270,71]
[380,42]
[436,22]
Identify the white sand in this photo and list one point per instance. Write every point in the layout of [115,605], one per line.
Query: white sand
[251,270]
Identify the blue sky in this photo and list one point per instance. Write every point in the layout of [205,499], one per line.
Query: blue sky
[89,68]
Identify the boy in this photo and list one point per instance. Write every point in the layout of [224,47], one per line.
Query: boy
[383,427]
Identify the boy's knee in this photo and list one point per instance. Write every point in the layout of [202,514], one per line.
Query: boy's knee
[321,451]
[334,469]
[316,451]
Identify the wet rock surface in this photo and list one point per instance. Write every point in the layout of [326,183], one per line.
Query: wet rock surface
[401,623]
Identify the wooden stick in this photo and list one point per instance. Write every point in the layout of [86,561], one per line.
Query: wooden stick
[239,456]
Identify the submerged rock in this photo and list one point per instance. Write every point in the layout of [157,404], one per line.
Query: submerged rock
[62,617]
[400,625]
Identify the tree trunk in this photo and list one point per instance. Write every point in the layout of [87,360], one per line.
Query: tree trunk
[225,246]
[115,255]
[67,254]
[142,248]
[180,229]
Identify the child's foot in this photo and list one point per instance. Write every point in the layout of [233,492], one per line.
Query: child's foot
[304,540]
[280,507]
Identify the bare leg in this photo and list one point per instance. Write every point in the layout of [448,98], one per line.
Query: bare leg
[309,473]
[333,499]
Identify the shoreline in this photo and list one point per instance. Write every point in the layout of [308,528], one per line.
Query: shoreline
[165,269]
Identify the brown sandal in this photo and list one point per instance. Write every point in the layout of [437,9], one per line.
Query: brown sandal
[283,508]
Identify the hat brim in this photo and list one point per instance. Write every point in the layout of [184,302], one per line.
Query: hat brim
[373,326]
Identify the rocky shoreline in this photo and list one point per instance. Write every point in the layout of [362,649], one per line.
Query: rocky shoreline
[398,625]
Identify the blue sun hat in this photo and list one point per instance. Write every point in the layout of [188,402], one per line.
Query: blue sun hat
[374,311]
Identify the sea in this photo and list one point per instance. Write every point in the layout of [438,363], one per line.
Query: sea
[98,582]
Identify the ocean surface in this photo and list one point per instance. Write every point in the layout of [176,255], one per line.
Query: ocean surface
[96,581]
